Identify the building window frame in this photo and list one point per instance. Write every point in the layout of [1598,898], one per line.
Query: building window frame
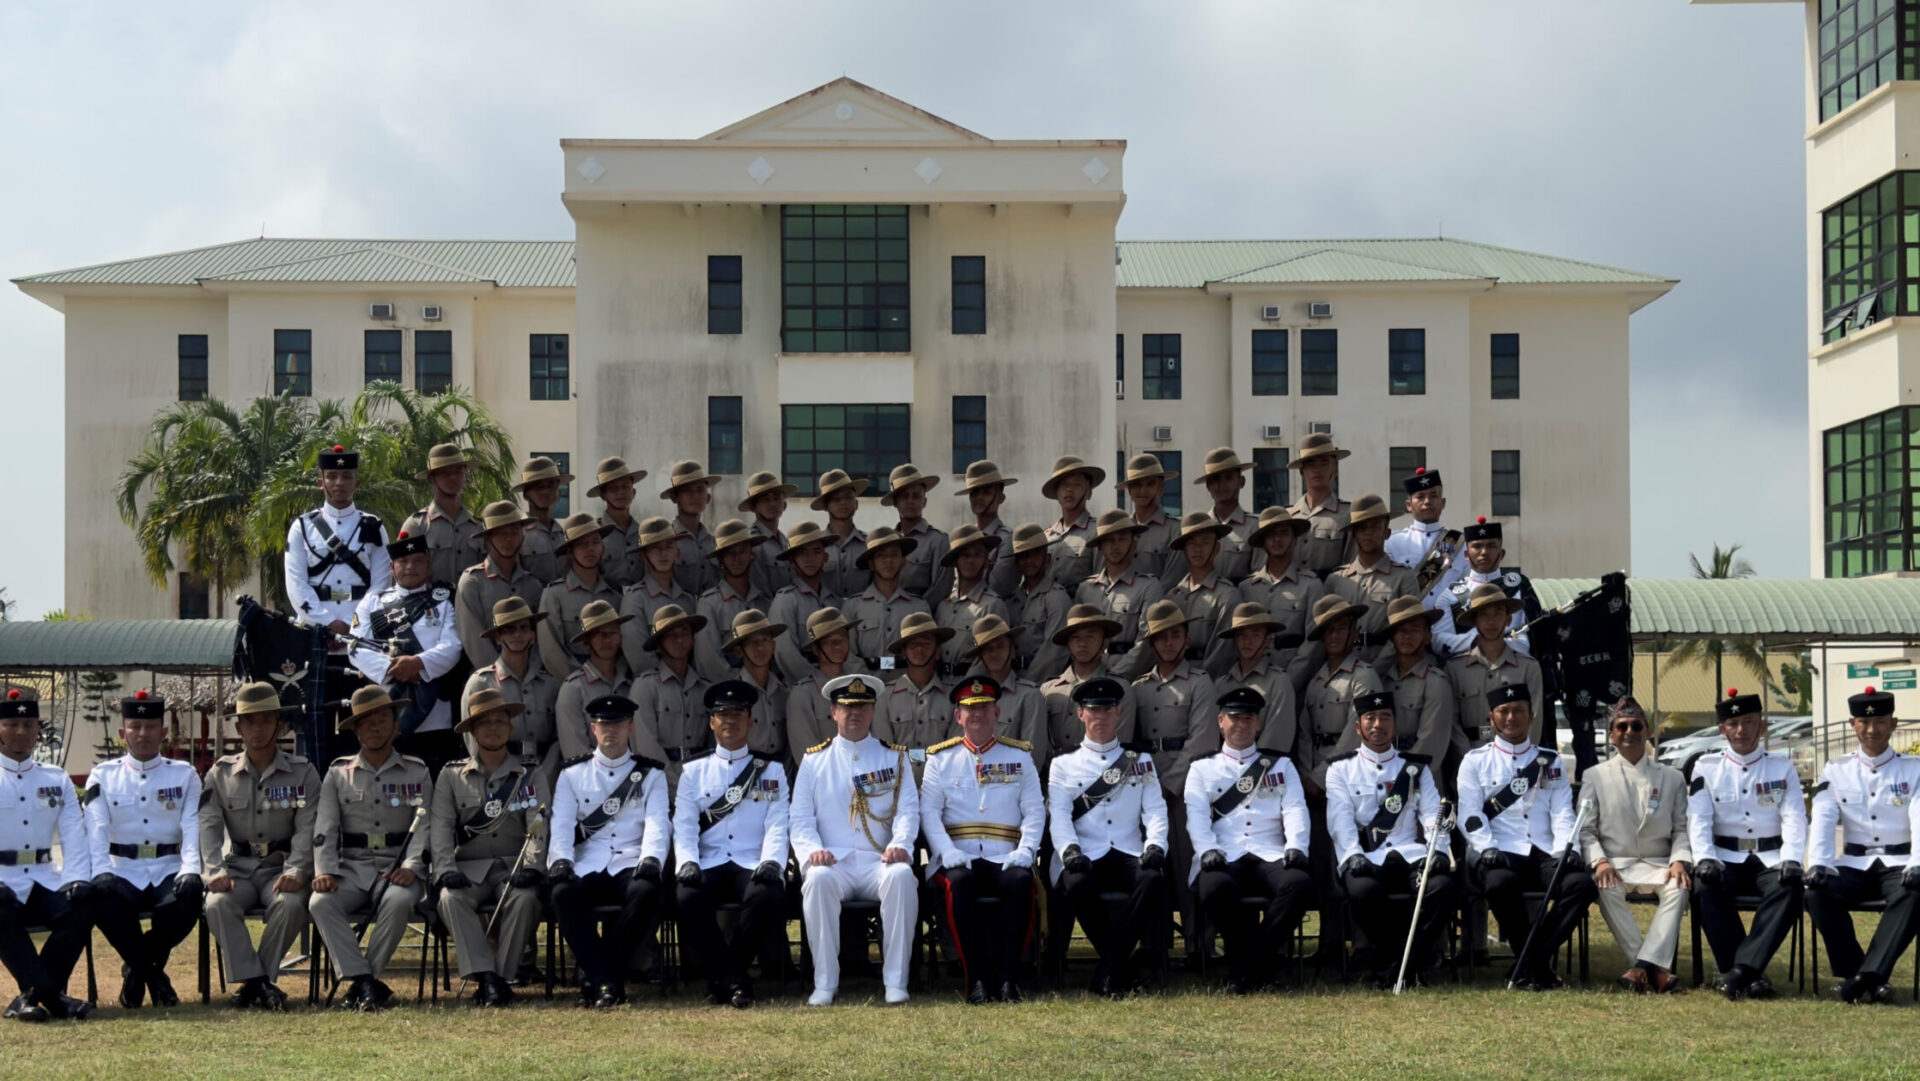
[293,363]
[969,430]
[969,294]
[1403,462]
[1871,471]
[1160,367]
[1269,363]
[433,361]
[867,439]
[549,367]
[726,434]
[725,312]
[1171,500]
[845,279]
[1319,362]
[191,367]
[1863,45]
[381,350]
[1870,255]
[1506,484]
[1119,367]
[1504,366]
[1407,361]
[1271,483]
[196,597]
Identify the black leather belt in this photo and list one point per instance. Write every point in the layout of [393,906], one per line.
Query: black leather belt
[25,857]
[1326,739]
[143,852]
[1901,849]
[372,840]
[1119,649]
[1171,743]
[1746,844]
[253,851]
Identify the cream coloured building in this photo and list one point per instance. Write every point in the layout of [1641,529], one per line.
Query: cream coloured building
[847,280]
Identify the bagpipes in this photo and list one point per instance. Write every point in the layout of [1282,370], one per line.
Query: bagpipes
[1438,559]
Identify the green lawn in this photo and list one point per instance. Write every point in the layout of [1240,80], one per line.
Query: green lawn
[1325,1032]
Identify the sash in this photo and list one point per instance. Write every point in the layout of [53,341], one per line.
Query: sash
[1109,779]
[595,821]
[1521,784]
[1439,556]
[337,550]
[1391,808]
[1249,779]
[482,822]
[735,794]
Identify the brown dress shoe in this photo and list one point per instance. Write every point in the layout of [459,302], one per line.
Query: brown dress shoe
[1633,979]
[1663,982]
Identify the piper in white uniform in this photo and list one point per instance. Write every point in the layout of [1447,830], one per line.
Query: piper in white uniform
[1424,537]
[336,555]
[414,620]
[33,891]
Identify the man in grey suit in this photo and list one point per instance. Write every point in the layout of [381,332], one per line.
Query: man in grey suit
[1635,839]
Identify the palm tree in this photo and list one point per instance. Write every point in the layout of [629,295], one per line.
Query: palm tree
[1751,653]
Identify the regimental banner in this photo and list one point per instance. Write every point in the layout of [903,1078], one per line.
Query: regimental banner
[1593,642]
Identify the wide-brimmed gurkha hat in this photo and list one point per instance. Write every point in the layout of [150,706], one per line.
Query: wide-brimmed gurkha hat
[749,622]
[1868,703]
[253,699]
[1220,460]
[18,705]
[364,702]
[1404,609]
[1162,615]
[733,531]
[882,537]
[407,544]
[666,618]
[1196,522]
[1113,523]
[684,472]
[1490,595]
[1277,518]
[1086,615]
[987,629]
[915,625]
[1315,446]
[1066,466]
[855,689]
[484,701]
[510,610]
[610,470]
[1147,467]
[834,480]
[762,483]
[539,468]
[581,525]
[338,457]
[802,535]
[652,531]
[982,474]
[906,475]
[1329,608]
[966,536]
[1249,614]
[825,621]
[443,456]
[1367,508]
[1027,537]
[1420,480]
[598,614]
[501,515]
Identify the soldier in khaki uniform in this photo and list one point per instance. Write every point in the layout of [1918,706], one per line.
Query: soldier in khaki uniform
[735,590]
[257,810]
[985,488]
[915,713]
[1424,702]
[809,720]
[805,594]
[1327,713]
[1203,593]
[488,840]
[1224,476]
[839,498]
[615,485]
[1247,636]
[1023,712]
[767,500]
[1492,662]
[1327,543]
[669,696]
[884,606]
[1072,484]
[370,837]
[1084,637]
[1370,578]
[927,574]
[502,574]
[1146,485]
[521,679]
[567,597]
[751,640]
[604,672]
[690,490]
[1122,590]
[453,535]
[655,586]
[969,553]
[540,481]
[1286,589]
[1037,606]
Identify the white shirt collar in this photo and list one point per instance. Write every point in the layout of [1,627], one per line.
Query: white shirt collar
[1380,758]
[1425,527]
[1759,752]
[149,765]
[1244,754]
[1514,749]
[1100,748]
[603,760]
[18,767]
[342,515]
[1885,757]
[727,756]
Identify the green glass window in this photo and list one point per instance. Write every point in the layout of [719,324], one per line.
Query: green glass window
[1863,44]
[969,430]
[843,279]
[865,440]
[1506,366]
[1319,362]
[1506,483]
[725,433]
[1871,471]
[723,294]
[969,294]
[547,368]
[432,361]
[1870,256]
[193,367]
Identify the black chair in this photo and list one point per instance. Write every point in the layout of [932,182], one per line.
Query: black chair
[93,986]
[1450,935]
[1813,944]
[1475,904]
[557,950]
[1796,959]
[1061,921]
[213,960]
[319,971]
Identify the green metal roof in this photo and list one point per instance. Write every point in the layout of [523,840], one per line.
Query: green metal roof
[1780,610]
[1191,264]
[181,646]
[507,263]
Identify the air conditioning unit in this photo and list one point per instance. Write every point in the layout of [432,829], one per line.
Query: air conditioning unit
[1319,427]
[430,312]
[1320,309]
[1119,390]
[1270,431]
[380,311]
[1162,433]
[1270,312]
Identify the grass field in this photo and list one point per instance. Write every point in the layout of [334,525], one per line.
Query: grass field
[1324,1031]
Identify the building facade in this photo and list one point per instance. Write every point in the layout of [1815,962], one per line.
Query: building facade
[847,281]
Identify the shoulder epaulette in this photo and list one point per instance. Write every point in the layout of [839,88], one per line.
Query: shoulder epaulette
[895,746]
[648,763]
[1017,744]
[1696,784]
[1549,755]
[343,760]
[421,762]
[818,747]
[576,760]
[1819,788]
[1418,759]
[1343,756]
[944,744]
[92,793]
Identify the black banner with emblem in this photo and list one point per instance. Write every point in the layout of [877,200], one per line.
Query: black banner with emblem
[1591,640]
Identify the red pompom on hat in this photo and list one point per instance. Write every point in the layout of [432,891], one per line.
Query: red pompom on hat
[1870,690]
[141,694]
[13,695]
[338,449]
[402,536]
[1732,691]
[1419,470]
[1482,520]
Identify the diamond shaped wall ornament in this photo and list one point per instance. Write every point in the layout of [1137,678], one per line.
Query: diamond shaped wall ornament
[591,169]
[928,170]
[1095,170]
[759,170]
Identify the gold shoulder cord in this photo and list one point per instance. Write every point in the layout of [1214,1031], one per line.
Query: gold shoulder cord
[861,814]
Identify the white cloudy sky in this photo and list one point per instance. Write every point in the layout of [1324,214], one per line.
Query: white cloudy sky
[1649,134]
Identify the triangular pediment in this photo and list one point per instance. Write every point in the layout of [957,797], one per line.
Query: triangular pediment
[844,110]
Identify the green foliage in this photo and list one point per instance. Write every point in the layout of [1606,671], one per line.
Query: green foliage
[1716,653]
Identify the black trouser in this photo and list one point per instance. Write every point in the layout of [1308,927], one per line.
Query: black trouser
[117,913]
[1720,916]
[989,948]
[1146,904]
[759,904]
[1832,908]
[46,971]
[603,955]
[1532,872]
[1385,919]
[1252,940]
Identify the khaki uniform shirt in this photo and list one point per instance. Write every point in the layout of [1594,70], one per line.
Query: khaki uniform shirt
[923,575]
[1209,607]
[809,716]
[268,816]
[915,717]
[1167,714]
[720,604]
[535,730]
[1124,600]
[1002,576]
[879,618]
[583,685]
[1372,586]
[1424,708]
[696,571]
[959,611]
[1070,546]
[453,544]
[481,587]
[1328,713]
[365,814]
[673,714]
[771,574]
[641,599]
[1473,676]
[1150,549]
[1041,613]
[1326,545]
[1289,599]
[485,821]
[768,736]
[1064,730]
[561,602]
[841,575]
[621,564]
[1279,719]
[538,553]
[792,607]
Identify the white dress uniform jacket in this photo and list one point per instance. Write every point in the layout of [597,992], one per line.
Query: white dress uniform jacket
[825,815]
[331,596]
[151,803]
[982,805]
[1132,817]
[1874,802]
[37,803]
[439,644]
[1271,819]
[1409,545]
[1746,798]
[638,828]
[1358,782]
[1542,816]
[753,833]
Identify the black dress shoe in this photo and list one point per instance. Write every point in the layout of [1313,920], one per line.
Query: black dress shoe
[977,993]
[1864,988]
[356,994]
[607,997]
[247,995]
[1760,987]
[1010,992]
[133,989]
[1237,986]
[65,1007]
[375,995]
[1101,985]
[740,996]
[502,991]
[272,999]
[161,989]
[587,994]
[26,1009]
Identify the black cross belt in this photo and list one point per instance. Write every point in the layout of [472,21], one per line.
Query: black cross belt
[254,851]
[143,852]
[372,840]
[1171,743]
[1746,844]
[1901,849]
[25,857]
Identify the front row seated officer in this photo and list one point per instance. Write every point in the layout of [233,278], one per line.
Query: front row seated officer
[1109,822]
[33,890]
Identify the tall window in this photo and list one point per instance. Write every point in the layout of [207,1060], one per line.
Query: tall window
[1871,477]
[723,294]
[969,294]
[1506,366]
[1159,366]
[1269,362]
[843,276]
[1269,480]
[432,361]
[383,356]
[193,367]
[1406,362]
[564,460]
[1119,367]
[724,434]
[1506,483]
[1319,362]
[1401,462]
[969,430]
[549,368]
[1864,43]
[293,363]
[196,597]
[1169,461]
[865,440]
[1871,255]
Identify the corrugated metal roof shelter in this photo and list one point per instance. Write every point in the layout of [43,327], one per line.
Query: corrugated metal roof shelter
[202,647]
[1778,610]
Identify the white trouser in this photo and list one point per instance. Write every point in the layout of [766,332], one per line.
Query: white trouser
[860,877]
[1662,938]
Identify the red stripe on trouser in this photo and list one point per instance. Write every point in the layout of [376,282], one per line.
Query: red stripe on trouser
[953,928]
